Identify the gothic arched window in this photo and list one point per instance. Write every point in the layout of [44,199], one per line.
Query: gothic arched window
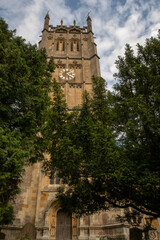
[54,176]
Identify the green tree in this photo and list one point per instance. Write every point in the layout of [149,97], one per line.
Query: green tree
[82,151]
[137,114]
[55,127]
[109,153]
[25,82]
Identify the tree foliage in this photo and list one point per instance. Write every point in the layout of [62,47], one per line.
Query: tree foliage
[82,150]
[137,108]
[108,151]
[25,81]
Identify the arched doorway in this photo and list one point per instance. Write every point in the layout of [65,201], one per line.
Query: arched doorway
[63,226]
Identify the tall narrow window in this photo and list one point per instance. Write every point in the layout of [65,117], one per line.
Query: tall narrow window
[77,46]
[57,177]
[63,48]
[54,176]
[71,46]
[57,48]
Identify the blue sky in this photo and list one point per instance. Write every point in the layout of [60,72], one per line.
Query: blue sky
[115,23]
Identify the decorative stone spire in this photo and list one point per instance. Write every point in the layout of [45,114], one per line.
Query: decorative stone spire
[89,24]
[74,23]
[61,23]
[46,22]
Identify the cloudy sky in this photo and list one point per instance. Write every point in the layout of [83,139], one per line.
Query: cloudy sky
[115,22]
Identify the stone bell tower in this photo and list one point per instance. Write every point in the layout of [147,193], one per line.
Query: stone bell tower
[75,57]
[37,212]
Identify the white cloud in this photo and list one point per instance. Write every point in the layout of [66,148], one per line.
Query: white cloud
[28,28]
[91,3]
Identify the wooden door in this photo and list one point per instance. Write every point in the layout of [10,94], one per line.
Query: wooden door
[64,226]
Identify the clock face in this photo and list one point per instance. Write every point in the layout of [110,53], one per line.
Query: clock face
[67,74]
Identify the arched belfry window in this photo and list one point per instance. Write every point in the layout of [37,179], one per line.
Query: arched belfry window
[60,45]
[75,46]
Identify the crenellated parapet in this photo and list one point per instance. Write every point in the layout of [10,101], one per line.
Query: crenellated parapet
[75,57]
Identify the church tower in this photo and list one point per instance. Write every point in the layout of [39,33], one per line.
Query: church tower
[75,57]
[37,211]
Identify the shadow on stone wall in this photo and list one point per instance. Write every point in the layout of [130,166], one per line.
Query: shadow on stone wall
[29,230]
[135,234]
